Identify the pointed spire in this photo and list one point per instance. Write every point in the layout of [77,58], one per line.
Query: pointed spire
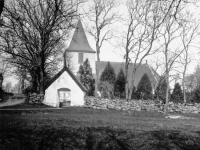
[79,42]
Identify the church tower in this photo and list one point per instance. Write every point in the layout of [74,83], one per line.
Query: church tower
[79,50]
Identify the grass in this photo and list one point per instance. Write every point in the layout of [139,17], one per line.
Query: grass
[84,128]
[26,106]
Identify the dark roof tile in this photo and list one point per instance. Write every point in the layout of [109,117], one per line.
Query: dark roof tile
[79,42]
[143,68]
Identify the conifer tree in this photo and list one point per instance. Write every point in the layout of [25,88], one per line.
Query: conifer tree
[177,94]
[161,89]
[144,88]
[86,77]
[119,89]
[196,95]
[108,74]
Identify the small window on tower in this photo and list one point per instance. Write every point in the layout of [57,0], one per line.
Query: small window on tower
[80,58]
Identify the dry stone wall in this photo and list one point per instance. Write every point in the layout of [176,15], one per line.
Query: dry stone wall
[36,98]
[138,105]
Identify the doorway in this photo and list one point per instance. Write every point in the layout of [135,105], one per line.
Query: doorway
[64,96]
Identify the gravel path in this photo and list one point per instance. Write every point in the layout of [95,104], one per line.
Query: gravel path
[12,102]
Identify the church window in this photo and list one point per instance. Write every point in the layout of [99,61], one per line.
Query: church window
[80,58]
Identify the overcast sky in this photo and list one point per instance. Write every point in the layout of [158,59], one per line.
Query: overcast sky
[111,51]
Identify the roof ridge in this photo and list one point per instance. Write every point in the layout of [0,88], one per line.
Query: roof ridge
[122,62]
[70,74]
[151,69]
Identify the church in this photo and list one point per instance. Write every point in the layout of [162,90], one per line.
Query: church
[66,87]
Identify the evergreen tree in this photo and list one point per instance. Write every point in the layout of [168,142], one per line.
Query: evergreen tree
[119,88]
[86,77]
[177,94]
[196,95]
[144,88]
[161,89]
[108,74]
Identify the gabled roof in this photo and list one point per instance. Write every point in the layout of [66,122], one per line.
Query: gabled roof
[143,68]
[71,75]
[79,42]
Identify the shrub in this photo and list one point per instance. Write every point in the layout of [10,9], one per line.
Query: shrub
[144,88]
[106,89]
[119,88]
[177,94]
[86,77]
[108,75]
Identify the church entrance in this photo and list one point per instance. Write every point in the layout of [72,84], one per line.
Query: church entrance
[64,97]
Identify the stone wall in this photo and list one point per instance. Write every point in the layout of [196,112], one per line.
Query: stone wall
[138,105]
[36,98]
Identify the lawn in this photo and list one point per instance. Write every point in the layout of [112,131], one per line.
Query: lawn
[84,128]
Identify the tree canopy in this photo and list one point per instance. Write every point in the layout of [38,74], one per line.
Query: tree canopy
[32,35]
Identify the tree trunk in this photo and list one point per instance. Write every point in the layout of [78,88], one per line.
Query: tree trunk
[127,89]
[167,94]
[131,89]
[184,94]
[132,82]
[41,90]
[97,71]
[126,78]
[22,85]
[1,80]
[42,72]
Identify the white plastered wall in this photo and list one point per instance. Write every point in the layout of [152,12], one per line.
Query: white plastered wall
[76,65]
[64,81]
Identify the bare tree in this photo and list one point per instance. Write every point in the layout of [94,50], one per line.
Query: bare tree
[188,35]
[141,31]
[144,21]
[33,32]
[101,14]
[170,51]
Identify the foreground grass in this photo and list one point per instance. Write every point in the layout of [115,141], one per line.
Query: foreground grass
[82,128]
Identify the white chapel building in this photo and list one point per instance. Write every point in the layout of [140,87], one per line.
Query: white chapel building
[64,86]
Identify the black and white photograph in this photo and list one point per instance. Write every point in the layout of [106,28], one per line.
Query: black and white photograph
[99,74]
